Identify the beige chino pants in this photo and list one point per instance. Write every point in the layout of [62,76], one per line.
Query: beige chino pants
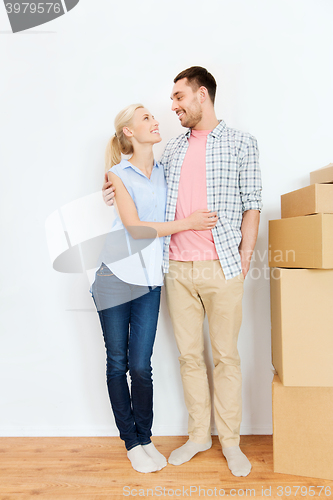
[193,288]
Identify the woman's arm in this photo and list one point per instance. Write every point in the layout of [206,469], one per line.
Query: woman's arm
[198,220]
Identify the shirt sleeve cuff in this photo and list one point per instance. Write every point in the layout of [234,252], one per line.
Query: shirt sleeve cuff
[252,202]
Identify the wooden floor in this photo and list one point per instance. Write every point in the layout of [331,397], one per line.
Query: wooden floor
[98,469]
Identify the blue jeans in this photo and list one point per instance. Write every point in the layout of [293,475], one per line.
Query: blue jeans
[129,330]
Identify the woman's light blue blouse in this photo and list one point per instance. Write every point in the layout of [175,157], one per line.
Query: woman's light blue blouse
[143,267]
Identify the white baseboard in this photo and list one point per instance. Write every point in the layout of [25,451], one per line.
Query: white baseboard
[96,431]
[246,430]
[63,431]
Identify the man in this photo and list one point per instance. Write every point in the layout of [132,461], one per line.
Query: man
[215,167]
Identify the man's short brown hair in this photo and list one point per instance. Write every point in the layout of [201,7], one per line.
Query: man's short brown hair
[199,77]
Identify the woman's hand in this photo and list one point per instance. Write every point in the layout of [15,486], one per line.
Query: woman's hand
[108,191]
[201,220]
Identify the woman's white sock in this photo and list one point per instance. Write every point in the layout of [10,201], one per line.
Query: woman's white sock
[140,461]
[154,454]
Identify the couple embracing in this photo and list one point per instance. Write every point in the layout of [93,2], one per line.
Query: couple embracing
[202,200]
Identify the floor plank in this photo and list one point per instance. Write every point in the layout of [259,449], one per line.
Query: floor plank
[96,468]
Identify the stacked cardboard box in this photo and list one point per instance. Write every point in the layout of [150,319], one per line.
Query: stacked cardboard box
[301,261]
[303,430]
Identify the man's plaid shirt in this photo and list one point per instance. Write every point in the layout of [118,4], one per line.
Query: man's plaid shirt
[233,186]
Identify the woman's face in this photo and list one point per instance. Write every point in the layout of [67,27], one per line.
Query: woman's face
[144,127]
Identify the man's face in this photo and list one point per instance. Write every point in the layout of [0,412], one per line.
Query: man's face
[186,104]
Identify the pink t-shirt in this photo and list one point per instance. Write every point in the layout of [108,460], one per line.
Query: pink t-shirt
[192,195]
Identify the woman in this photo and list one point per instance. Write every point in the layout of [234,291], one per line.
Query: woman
[127,291]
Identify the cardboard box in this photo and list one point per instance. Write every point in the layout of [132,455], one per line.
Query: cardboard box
[323,175]
[305,242]
[302,430]
[302,326]
[314,199]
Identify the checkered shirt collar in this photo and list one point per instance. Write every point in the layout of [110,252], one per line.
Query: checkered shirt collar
[216,132]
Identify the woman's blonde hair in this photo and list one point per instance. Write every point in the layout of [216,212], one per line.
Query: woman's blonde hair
[119,143]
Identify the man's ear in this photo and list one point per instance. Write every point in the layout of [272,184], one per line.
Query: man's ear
[127,132]
[203,94]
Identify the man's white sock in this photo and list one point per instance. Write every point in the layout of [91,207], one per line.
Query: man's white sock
[187,451]
[155,455]
[141,461]
[238,463]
